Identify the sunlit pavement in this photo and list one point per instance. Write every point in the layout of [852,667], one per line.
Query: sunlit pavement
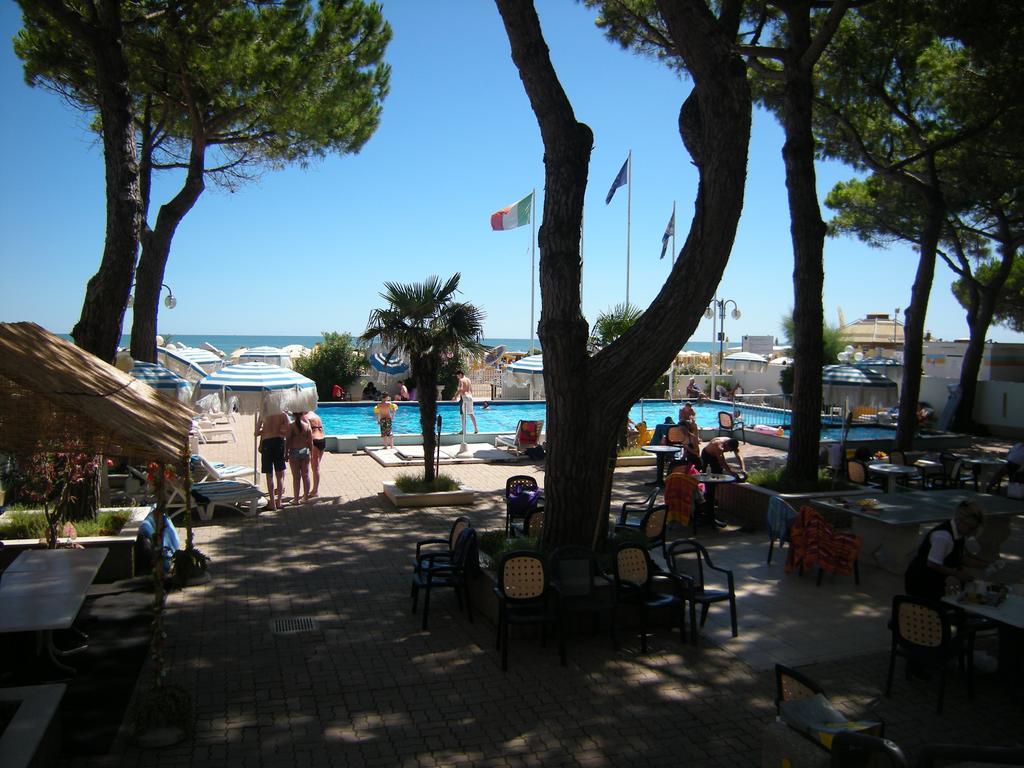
[368,687]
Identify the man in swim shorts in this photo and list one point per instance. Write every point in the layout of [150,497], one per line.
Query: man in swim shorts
[464,394]
[271,431]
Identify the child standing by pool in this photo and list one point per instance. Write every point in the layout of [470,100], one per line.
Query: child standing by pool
[385,413]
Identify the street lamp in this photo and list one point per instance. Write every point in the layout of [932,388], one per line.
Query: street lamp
[709,313]
[170,302]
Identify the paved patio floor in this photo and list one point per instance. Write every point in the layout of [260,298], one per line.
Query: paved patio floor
[369,688]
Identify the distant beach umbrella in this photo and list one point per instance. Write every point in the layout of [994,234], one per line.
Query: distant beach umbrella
[270,355]
[164,381]
[494,355]
[855,385]
[745,357]
[190,362]
[877,362]
[392,365]
[781,361]
[531,364]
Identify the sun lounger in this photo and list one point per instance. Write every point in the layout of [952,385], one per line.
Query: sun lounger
[202,469]
[527,435]
[207,431]
[226,493]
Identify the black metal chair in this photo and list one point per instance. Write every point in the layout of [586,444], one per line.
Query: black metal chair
[689,559]
[515,509]
[922,633]
[522,595]
[635,577]
[577,582]
[444,569]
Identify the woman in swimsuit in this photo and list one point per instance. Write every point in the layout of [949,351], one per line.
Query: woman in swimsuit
[385,413]
[300,448]
[316,426]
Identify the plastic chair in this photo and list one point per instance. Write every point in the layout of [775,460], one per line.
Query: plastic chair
[791,685]
[527,435]
[634,578]
[813,542]
[439,549]
[780,523]
[728,425]
[516,486]
[922,633]
[522,595]
[443,569]
[651,525]
[689,559]
[533,525]
[576,580]
[680,487]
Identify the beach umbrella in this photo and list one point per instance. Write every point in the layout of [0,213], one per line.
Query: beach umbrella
[854,385]
[745,357]
[190,362]
[264,354]
[527,365]
[164,381]
[781,361]
[494,355]
[391,365]
[877,362]
[261,388]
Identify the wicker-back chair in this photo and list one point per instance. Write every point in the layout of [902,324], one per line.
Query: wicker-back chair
[634,578]
[729,425]
[522,595]
[791,685]
[651,525]
[922,633]
[515,487]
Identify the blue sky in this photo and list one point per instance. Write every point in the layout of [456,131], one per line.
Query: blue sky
[457,142]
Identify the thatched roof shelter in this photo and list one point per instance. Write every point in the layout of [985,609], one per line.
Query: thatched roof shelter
[52,392]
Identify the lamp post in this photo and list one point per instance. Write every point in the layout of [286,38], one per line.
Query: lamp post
[710,314]
[170,302]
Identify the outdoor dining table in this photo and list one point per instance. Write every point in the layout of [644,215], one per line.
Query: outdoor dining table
[42,590]
[982,466]
[892,473]
[712,480]
[661,452]
[1009,615]
[891,525]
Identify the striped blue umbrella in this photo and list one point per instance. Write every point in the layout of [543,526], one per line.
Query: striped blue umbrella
[393,365]
[531,364]
[877,362]
[191,362]
[265,354]
[164,381]
[854,376]
[261,387]
[852,386]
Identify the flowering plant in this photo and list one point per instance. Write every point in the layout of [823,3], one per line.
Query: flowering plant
[61,479]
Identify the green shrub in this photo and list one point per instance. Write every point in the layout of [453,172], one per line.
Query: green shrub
[494,544]
[23,524]
[334,361]
[778,480]
[408,483]
[632,451]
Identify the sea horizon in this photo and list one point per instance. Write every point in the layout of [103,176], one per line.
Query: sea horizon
[229,342]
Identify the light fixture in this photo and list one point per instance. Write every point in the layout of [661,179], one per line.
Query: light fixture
[170,302]
[709,313]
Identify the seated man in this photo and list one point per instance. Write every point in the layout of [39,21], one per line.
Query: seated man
[942,556]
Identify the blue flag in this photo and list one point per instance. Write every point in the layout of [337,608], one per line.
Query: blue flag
[669,231]
[620,181]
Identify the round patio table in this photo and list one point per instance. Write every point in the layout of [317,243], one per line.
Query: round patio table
[661,452]
[711,480]
[892,473]
[982,466]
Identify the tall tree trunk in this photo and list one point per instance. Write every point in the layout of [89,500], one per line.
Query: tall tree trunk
[156,248]
[98,330]
[589,397]
[425,373]
[979,320]
[913,330]
[807,231]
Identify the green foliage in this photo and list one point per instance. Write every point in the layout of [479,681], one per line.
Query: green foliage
[407,483]
[778,480]
[334,361]
[615,322]
[1009,306]
[494,544]
[26,524]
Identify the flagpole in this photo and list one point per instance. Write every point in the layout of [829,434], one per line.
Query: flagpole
[629,214]
[533,260]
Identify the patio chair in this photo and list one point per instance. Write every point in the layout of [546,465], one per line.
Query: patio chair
[527,435]
[651,525]
[791,685]
[522,596]
[533,525]
[206,430]
[439,549]
[203,469]
[729,425]
[635,577]
[447,570]
[690,559]
[576,582]
[680,490]
[813,542]
[522,493]
[852,749]
[780,523]
[675,435]
[954,475]
[922,633]
[857,472]
[236,494]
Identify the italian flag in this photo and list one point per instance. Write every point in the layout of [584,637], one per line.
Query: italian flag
[515,215]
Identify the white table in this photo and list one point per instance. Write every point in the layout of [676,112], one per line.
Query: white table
[43,590]
[661,452]
[892,473]
[1009,612]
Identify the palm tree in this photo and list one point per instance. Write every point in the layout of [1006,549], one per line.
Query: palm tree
[425,320]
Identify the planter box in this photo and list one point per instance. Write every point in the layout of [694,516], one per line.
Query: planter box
[120,561]
[462,497]
[746,505]
[635,461]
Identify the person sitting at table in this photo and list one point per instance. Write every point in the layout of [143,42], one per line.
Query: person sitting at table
[942,554]
[713,457]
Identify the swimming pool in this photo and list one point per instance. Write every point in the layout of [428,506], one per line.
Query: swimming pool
[502,416]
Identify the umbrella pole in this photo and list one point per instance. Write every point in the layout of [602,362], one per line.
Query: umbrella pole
[463,446]
[255,469]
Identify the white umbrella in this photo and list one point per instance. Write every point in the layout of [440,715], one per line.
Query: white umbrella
[164,381]
[857,386]
[745,357]
[781,361]
[261,388]
[271,355]
[190,362]
[528,370]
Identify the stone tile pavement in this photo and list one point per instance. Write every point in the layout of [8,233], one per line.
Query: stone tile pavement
[369,688]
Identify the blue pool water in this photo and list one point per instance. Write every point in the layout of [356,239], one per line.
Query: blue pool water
[357,418]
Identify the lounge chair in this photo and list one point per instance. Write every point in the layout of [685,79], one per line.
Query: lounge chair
[217,493]
[206,430]
[202,469]
[527,436]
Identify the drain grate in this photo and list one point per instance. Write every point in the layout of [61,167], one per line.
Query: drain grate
[294,625]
